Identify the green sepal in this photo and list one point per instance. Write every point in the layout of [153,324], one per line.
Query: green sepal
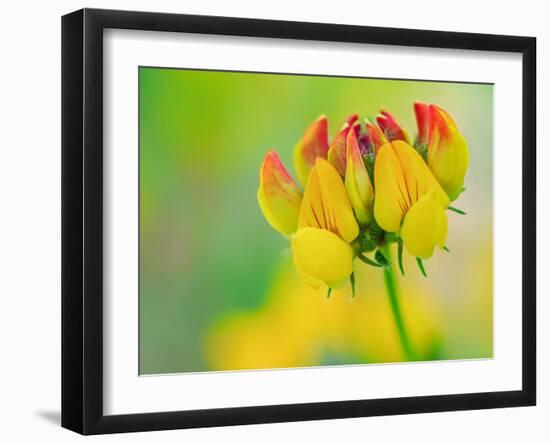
[367,244]
[329,291]
[391,237]
[368,261]
[421,266]
[458,211]
[400,256]
[352,282]
[375,231]
[381,258]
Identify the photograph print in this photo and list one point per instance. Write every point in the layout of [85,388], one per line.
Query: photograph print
[293,221]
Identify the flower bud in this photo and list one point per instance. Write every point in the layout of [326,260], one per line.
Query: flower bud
[391,129]
[314,144]
[447,152]
[278,195]
[357,181]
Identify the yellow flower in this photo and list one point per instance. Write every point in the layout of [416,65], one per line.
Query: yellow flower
[321,223]
[409,199]
[295,327]
[326,225]
[424,226]
[447,150]
[340,203]
[278,196]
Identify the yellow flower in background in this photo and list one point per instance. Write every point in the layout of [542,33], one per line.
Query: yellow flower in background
[447,150]
[295,327]
[409,199]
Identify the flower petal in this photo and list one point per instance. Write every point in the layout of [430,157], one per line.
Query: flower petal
[337,151]
[357,181]
[278,195]
[314,144]
[391,197]
[376,138]
[320,255]
[448,156]
[422,113]
[418,176]
[424,227]
[391,128]
[401,178]
[326,204]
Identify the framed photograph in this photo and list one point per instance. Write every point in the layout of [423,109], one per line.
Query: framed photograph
[269,221]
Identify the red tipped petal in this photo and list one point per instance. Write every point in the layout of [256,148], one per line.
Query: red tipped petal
[278,195]
[376,137]
[422,112]
[391,128]
[337,151]
[314,144]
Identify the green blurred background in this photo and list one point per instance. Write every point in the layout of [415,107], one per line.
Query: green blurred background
[217,287]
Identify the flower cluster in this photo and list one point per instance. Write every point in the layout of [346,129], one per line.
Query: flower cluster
[369,187]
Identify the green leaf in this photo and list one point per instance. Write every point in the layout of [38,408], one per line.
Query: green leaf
[368,261]
[458,211]
[400,256]
[421,266]
[381,258]
[352,281]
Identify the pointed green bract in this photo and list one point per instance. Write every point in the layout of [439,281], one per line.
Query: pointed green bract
[421,266]
[400,256]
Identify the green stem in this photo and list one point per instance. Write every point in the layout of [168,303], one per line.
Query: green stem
[391,287]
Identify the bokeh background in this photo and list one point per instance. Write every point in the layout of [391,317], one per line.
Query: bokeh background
[217,286]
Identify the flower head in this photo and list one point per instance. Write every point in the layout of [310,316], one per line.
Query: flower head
[366,189]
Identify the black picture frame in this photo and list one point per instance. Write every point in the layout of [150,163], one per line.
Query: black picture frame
[82,220]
